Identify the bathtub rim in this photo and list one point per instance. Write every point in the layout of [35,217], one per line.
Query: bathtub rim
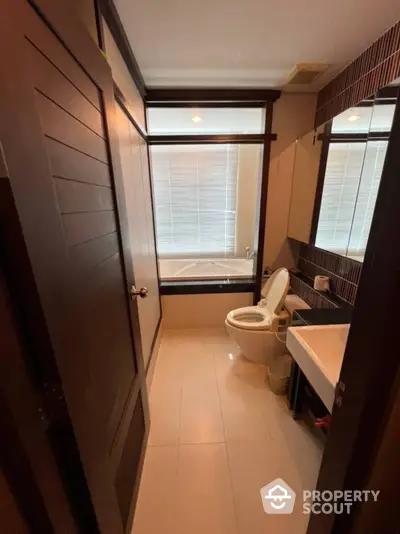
[204,277]
[195,287]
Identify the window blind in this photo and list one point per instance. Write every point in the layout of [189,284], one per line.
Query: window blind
[352,178]
[195,193]
[368,191]
[342,177]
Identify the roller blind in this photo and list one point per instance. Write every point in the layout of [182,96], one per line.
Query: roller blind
[195,192]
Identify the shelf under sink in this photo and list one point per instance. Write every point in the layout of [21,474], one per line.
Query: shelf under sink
[319,351]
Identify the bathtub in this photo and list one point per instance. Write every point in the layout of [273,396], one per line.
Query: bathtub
[205,269]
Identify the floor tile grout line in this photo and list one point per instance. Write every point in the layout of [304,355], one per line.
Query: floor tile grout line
[200,443]
[180,413]
[234,501]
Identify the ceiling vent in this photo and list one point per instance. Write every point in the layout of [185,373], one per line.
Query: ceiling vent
[306,73]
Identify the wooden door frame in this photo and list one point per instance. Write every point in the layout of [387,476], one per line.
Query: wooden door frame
[261,229]
[371,365]
[106,10]
[123,103]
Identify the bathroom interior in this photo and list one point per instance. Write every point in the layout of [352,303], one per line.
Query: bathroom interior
[236,398]
[262,213]
[257,295]
[215,233]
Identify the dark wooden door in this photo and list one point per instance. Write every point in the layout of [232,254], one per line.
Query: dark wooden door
[57,132]
[11,519]
[32,495]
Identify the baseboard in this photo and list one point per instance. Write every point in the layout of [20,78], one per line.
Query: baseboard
[153,354]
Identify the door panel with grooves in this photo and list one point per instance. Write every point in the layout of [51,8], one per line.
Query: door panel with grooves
[66,182]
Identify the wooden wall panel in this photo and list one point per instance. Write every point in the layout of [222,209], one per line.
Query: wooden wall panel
[91,253]
[52,82]
[82,227]
[76,197]
[60,125]
[70,164]
[377,66]
[40,36]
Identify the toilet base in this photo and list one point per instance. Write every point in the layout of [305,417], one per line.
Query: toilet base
[257,346]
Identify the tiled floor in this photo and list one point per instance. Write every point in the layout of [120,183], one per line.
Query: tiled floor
[218,434]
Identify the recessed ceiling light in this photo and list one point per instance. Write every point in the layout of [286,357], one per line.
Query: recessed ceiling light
[196,118]
[353,117]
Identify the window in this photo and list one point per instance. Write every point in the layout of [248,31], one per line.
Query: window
[195,194]
[193,121]
[343,123]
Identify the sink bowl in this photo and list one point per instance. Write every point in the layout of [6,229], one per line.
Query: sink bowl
[319,351]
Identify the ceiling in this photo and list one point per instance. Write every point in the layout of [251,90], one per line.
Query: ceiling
[249,43]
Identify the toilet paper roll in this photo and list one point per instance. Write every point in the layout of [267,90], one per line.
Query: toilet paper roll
[321,283]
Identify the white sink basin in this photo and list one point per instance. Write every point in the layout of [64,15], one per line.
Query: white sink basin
[319,351]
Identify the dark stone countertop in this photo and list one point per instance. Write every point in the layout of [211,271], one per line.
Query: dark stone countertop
[320,316]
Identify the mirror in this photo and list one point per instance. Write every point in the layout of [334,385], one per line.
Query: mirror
[336,175]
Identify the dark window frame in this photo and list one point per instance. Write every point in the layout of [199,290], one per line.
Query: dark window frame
[222,98]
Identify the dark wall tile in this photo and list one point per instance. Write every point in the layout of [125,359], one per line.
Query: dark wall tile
[344,275]
[375,68]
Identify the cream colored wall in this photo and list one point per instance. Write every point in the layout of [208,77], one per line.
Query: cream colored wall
[293,116]
[249,165]
[304,185]
[123,79]
[196,311]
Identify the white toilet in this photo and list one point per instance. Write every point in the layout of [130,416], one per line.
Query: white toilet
[255,328]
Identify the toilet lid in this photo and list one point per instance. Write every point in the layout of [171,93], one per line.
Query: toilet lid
[275,290]
[250,318]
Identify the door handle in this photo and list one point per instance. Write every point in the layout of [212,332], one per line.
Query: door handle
[142,292]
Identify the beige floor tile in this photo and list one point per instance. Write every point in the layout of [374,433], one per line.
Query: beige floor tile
[243,396]
[165,408]
[298,442]
[204,491]
[252,466]
[165,400]
[201,420]
[157,505]
[227,435]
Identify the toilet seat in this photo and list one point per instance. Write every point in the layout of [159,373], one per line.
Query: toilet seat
[250,318]
[260,317]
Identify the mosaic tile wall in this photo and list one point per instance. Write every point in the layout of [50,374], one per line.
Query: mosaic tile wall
[378,65]
[344,275]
